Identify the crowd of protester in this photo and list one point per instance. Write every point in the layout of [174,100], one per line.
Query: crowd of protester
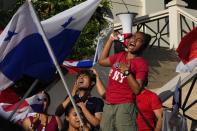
[125,103]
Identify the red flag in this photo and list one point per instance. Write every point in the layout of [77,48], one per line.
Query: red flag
[9,96]
[187,49]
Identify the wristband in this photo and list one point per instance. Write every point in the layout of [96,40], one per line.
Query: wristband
[126,73]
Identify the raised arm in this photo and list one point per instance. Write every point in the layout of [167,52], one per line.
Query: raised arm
[99,84]
[104,60]
[61,108]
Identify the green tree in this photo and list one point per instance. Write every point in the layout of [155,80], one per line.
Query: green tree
[84,47]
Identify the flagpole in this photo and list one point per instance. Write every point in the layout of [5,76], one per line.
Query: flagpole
[100,42]
[52,55]
[22,100]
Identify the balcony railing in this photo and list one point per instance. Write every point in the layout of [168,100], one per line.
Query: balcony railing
[157,25]
[165,29]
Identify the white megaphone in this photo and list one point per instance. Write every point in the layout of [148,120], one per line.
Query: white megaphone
[127,23]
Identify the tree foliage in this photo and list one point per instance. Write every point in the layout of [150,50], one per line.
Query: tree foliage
[84,47]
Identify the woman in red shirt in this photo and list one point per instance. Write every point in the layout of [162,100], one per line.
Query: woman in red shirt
[150,106]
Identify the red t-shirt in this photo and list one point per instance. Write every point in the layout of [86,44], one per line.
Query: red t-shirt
[118,90]
[147,101]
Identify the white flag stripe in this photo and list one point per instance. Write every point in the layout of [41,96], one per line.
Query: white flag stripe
[15,25]
[81,13]
[5,82]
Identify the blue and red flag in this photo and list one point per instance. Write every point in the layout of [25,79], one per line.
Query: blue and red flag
[74,66]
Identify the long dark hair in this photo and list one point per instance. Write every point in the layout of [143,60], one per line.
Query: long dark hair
[67,111]
[48,97]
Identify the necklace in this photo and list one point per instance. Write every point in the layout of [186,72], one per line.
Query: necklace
[45,124]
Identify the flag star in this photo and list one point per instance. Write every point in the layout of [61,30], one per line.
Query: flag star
[68,22]
[10,35]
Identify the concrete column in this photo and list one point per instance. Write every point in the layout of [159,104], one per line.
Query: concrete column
[174,22]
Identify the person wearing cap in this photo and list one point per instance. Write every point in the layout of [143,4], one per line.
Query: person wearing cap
[128,74]
[92,107]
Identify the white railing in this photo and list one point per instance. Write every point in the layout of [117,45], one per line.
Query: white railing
[174,29]
[151,17]
[187,15]
[144,19]
[168,89]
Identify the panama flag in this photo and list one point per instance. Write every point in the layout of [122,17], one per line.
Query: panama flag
[31,104]
[187,52]
[22,50]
